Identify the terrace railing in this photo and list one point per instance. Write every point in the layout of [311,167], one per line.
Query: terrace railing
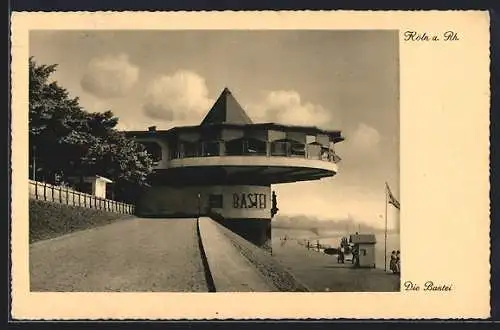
[269,149]
[58,194]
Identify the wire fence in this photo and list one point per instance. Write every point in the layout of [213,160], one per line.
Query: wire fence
[58,194]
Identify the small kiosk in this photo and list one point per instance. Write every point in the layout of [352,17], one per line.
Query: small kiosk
[93,185]
[364,245]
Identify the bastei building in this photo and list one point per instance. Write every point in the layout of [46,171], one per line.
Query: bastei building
[226,166]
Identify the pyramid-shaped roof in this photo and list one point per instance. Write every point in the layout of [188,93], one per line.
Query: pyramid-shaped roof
[226,110]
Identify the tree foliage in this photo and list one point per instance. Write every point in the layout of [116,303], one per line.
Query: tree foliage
[66,141]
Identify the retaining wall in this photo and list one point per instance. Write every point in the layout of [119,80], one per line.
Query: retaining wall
[237,265]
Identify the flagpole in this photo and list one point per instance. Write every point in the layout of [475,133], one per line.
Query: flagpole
[385,232]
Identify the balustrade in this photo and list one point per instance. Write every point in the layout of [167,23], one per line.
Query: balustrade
[64,195]
[254,148]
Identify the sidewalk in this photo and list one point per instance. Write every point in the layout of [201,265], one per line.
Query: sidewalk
[230,270]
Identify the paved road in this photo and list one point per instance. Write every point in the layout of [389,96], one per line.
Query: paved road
[130,255]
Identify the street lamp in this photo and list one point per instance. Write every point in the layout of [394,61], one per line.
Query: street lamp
[199,197]
[34,163]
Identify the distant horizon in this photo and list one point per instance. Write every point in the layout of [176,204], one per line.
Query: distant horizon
[308,223]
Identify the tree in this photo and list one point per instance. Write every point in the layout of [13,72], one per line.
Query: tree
[66,141]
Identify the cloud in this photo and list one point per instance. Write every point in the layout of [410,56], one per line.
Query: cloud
[361,150]
[365,138]
[287,107]
[180,97]
[109,76]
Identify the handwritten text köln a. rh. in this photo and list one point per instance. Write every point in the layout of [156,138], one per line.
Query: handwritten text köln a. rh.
[425,36]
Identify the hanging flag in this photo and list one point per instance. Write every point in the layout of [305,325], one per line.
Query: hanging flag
[391,199]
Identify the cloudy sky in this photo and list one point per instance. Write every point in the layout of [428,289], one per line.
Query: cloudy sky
[346,80]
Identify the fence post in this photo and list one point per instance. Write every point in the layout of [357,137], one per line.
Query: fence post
[60,194]
[36,190]
[52,190]
[44,191]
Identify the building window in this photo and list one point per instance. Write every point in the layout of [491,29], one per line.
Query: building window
[235,147]
[314,151]
[211,148]
[280,148]
[175,151]
[153,149]
[298,149]
[255,147]
[215,201]
[191,149]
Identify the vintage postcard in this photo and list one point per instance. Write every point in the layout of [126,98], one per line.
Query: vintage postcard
[250,165]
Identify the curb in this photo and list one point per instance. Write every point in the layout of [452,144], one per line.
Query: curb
[208,274]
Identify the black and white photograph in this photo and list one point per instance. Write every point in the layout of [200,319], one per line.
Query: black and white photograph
[214,161]
[255,165]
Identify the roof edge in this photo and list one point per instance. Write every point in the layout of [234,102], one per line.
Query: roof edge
[313,129]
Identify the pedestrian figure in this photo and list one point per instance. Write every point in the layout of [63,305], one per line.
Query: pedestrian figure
[392,265]
[398,262]
[341,254]
[355,256]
